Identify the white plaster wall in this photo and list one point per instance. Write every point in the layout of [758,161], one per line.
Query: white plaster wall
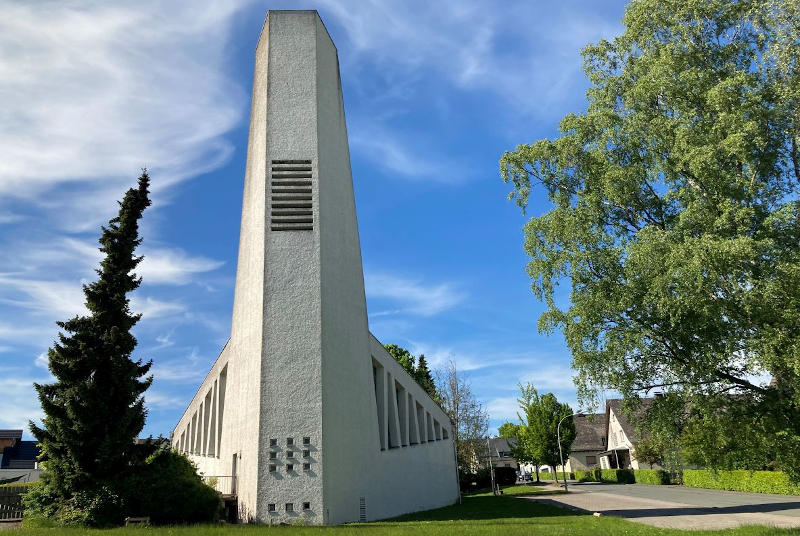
[417,477]
[300,355]
[291,376]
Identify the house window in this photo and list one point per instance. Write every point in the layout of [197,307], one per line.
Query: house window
[289,441]
[271,507]
[273,455]
[591,460]
[290,507]
[306,467]
[306,506]
[290,454]
[306,453]
[273,442]
[306,441]
[289,467]
[273,468]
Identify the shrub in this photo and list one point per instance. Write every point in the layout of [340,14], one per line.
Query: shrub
[505,476]
[619,476]
[656,477]
[750,481]
[169,491]
[585,476]
[478,480]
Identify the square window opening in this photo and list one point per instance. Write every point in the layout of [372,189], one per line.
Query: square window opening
[273,442]
[289,441]
[290,507]
[273,468]
[290,454]
[306,454]
[306,467]
[289,467]
[306,441]
[271,507]
[306,506]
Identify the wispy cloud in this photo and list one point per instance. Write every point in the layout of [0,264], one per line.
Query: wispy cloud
[191,368]
[412,296]
[106,88]
[173,266]
[415,160]
[476,47]
[152,308]
[19,403]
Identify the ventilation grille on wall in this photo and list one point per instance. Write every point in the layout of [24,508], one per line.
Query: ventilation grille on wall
[362,509]
[291,202]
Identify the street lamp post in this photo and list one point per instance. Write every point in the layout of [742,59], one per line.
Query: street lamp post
[560,453]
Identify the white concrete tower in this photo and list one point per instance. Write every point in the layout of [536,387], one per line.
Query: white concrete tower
[304,407]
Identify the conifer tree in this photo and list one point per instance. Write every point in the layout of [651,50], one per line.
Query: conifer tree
[94,410]
[424,378]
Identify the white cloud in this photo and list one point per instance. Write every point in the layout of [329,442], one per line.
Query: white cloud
[19,403]
[190,369]
[412,296]
[172,266]
[152,308]
[157,399]
[55,298]
[41,360]
[479,48]
[411,160]
[105,88]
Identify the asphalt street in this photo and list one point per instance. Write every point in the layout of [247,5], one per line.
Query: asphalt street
[680,507]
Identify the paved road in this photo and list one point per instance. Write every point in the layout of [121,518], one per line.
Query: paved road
[680,507]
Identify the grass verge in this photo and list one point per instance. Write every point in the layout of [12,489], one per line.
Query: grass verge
[481,514]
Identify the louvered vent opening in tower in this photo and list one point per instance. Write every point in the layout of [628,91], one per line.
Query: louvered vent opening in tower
[291,200]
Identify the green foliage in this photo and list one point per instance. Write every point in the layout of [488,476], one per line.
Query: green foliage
[424,378]
[169,491]
[402,356]
[676,218]
[619,476]
[94,409]
[508,429]
[505,476]
[656,477]
[647,451]
[537,433]
[585,476]
[753,482]
[420,372]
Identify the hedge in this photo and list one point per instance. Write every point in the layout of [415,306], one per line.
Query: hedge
[549,476]
[753,482]
[619,476]
[656,477]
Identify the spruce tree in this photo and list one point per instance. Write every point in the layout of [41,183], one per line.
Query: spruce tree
[424,378]
[94,410]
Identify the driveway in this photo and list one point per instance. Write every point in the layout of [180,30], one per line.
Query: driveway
[680,507]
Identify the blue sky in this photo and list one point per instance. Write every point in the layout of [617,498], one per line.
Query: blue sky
[434,93]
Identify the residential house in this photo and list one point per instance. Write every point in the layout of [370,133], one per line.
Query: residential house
[15,453]
[590,441]
[622,437]
[500,452]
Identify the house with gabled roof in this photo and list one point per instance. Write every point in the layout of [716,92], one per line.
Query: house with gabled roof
[590,441]
[622,437]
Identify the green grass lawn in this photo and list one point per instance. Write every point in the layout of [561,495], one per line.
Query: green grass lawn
[480,515]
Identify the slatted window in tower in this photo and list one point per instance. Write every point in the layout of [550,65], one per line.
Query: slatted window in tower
[291,207]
